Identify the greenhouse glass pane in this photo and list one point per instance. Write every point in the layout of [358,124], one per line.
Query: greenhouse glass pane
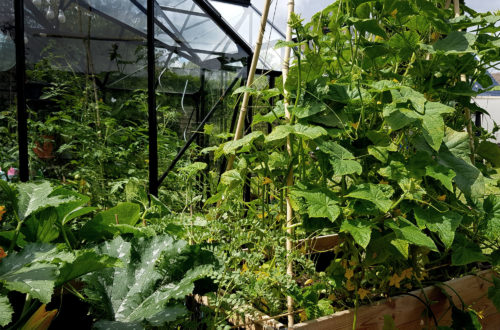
[246,21]
[8,110]
[181,5]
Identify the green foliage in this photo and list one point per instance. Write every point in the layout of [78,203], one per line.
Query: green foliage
[159,273]
[39,267]
[379,150]
[494,292]
[6,311]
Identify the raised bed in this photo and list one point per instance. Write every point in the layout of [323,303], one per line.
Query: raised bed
[407,311]
[410,313]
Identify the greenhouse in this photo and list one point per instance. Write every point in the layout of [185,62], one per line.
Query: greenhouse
[249,164]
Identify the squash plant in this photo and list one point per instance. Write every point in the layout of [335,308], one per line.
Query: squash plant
[132,277]
[383,150]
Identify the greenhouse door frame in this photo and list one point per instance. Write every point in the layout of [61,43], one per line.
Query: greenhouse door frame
[154,180]
[22,114]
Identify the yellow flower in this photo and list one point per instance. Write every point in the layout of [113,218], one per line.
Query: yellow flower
[480,314]
[407,273]
[349,273]
[394,280]
[434,36]
[244,268]
[308,282]
[349,285]
[261,215]
[266,181]
[40,320]
[394,12]
[2,211]
[355,125]
[363,293]
[442,198]
[303,316]
[379,102]
[395,80]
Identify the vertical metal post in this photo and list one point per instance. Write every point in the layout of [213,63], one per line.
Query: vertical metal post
[22,115]
[152,118]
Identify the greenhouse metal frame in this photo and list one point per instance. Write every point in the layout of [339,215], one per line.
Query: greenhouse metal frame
[157,14]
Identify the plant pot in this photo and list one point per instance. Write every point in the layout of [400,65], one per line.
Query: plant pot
[45,150]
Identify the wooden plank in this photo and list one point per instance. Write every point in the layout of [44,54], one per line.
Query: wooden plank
[408,312]
[319,244]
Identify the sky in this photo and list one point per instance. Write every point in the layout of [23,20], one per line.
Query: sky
[483,5]
[307,8]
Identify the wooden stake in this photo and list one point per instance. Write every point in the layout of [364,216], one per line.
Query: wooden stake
[456,8]
[289,179]
[246,96]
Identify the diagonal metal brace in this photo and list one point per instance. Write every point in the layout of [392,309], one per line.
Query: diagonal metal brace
[200,127]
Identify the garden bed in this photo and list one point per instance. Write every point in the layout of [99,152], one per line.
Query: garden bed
[408,312]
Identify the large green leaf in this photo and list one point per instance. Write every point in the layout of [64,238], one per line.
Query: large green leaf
[308,132]
[159,273]
[494,292]
[30,271]
[36,196]
[490,151]
[378,194]
[308,110]
[320,204]
[466,252]
[396,171]
[399,117]
[42,226]
[490,227]
[407,231]
[456,42]
[454,154]
[442,174]
[433,130]
[231,146]
[279,132]
[444,224]
[78,201]
[342,160]
[102,224]
[368,25]
[85,261]
[433,123]
[6,311]
[304,131]
[359,229]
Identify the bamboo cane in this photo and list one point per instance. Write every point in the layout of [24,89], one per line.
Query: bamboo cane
[289,179]
[456,8]
[246,96]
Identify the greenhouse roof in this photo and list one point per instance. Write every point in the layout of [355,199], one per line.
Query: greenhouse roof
[194,31]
